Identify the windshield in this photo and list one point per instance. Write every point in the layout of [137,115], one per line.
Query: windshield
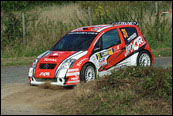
[75,41]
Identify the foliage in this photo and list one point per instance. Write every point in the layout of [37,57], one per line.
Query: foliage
[156,28]
[127,91]
[42,31]
[25,5]
[11,30]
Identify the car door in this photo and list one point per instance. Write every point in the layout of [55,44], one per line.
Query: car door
[108,49]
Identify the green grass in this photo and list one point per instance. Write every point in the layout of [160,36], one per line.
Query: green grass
[129,91]
[162,52]
[17,61]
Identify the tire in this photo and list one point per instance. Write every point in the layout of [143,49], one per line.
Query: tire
[88,73]
[144,59]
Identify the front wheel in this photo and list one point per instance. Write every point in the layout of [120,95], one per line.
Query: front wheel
[144,59]
[88,73]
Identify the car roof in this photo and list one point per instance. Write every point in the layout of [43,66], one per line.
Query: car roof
[99,28]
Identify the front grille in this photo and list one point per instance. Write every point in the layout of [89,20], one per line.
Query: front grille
[47,66]
[46,79]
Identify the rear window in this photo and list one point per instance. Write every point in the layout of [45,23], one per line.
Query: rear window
[129,34]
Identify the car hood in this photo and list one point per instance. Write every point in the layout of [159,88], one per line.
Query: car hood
[56,56]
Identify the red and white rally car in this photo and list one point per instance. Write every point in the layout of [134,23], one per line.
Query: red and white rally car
[89,52]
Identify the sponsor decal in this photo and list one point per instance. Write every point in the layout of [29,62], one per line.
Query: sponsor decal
[125,23]
[73,70]
[104,53]
[110,51]
[132,37]
[102,61]
[98,55]
[73,74]
[73,81]
[44,74]
[50,59]
[75,78]
[79,63]
[134,46]
[124,33]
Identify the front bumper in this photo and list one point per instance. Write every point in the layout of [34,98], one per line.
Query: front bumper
[57,81]
[64,77]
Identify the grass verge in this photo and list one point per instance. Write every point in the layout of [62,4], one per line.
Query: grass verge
[128,91]
[17,61]
[162,52]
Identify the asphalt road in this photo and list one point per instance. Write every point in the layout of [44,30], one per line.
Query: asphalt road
[18,74]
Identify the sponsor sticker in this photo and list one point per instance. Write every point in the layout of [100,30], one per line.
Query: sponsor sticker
[104,53]
[134,46]
[98,56]
[80,62]
[102,61]
[73,81]
[75,78]
[73,70]
[110,51]
[132,37]
[44,74]
[73,74]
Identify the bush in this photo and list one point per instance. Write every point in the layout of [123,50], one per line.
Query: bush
[12,29]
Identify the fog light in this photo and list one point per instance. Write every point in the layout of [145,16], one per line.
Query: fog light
[61,81]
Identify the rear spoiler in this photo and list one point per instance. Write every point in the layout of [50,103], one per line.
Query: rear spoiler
[125,23]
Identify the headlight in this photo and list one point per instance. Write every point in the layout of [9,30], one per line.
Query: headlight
[68,63]
[30,74]
[35,63]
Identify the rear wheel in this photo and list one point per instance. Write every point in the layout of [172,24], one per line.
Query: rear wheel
[88,73]
[144,59]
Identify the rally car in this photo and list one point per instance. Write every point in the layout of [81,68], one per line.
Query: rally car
[89,52]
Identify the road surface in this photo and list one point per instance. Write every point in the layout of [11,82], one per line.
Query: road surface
[17,97]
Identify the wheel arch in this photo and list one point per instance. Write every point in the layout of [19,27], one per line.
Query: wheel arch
[91,64]
[147,51]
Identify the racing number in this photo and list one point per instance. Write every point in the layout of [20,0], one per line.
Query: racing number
[124,33]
